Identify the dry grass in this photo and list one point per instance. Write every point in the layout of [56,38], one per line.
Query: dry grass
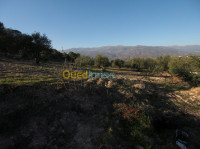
[40,110]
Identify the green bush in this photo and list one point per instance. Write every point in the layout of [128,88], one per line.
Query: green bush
[117,63]
[84,61]
[186,67]
[100,60]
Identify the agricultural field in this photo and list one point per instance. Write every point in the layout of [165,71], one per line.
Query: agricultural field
[39,109]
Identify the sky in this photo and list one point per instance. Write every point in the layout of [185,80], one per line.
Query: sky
[94,23]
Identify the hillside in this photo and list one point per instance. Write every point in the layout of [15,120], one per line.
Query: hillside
[126,52]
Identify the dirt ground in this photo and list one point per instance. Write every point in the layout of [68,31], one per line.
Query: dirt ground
[39,109]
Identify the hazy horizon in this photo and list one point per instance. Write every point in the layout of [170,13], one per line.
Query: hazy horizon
[133,46]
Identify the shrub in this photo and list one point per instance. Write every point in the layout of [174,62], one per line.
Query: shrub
[186,67]
[84,61]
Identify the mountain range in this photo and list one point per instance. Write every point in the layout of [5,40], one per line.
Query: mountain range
[127,52]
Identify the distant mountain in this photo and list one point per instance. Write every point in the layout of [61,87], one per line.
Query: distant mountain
[127,52]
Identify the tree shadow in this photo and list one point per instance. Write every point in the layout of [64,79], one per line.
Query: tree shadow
[76,111]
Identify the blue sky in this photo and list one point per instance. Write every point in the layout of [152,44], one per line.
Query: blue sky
[93,23]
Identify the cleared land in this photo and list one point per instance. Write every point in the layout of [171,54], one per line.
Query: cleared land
[39,109]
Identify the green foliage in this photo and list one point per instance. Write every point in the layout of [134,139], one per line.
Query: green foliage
[84,61]
[137,63]
[26,47]
[162,63]
[195,63]
[117,63]
[41,43]
[100,60]
[141,64]
[72,56]
[9,41]
[159,64]
[14,44]
[149,64]
[178,65]
[186,67]
[127,63]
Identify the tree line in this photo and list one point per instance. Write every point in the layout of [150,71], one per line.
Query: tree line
[187,67]
[37,46]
